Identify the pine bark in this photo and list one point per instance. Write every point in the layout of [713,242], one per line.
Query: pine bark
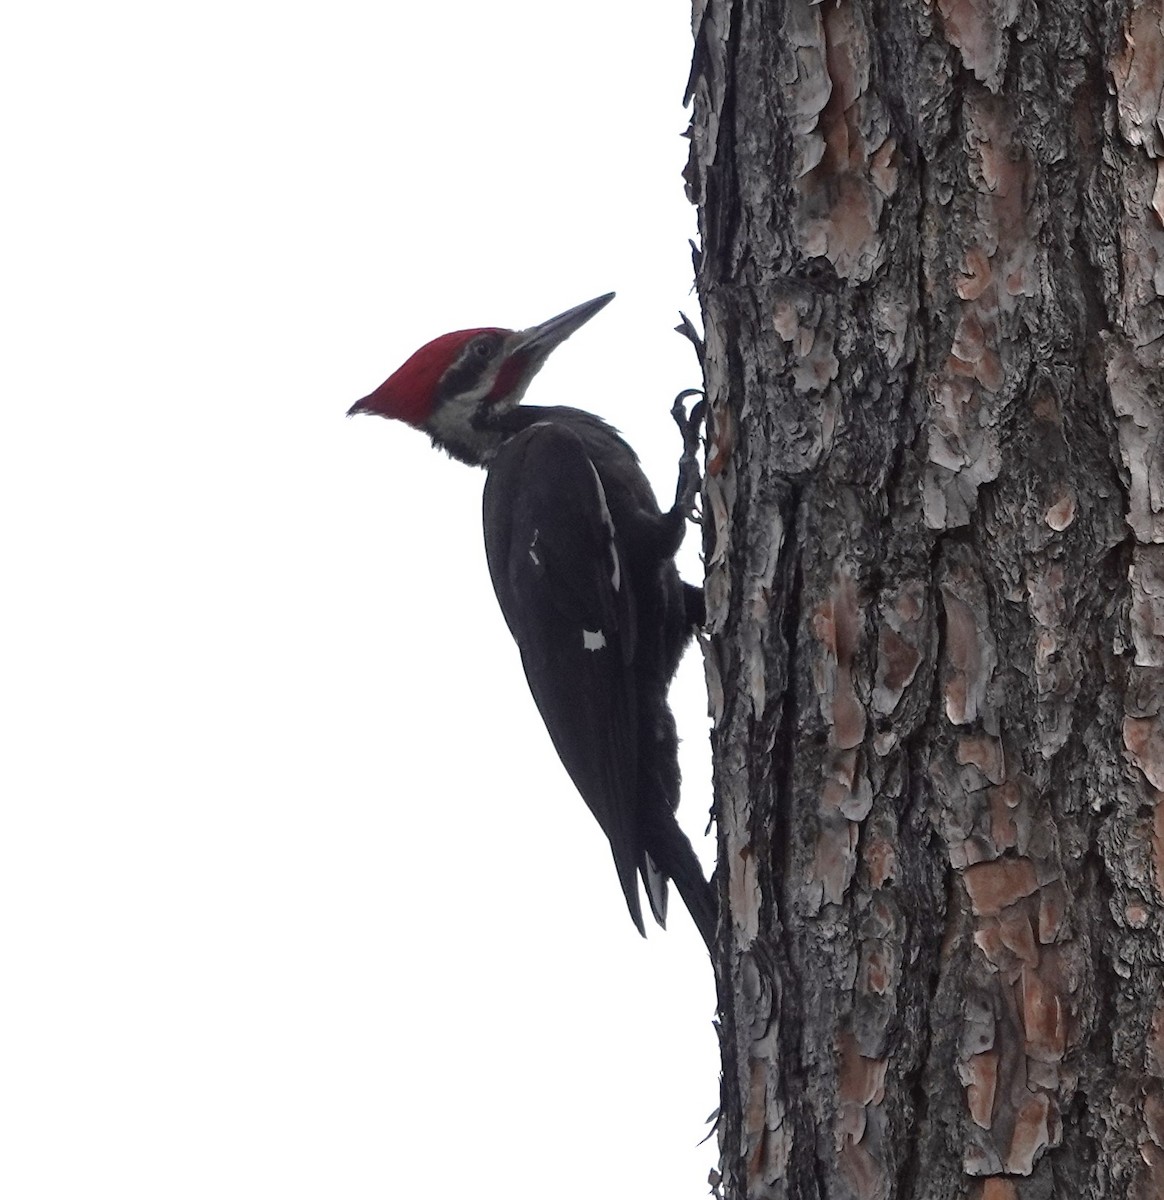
[931,269]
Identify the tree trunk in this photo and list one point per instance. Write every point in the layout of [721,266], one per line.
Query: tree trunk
[931,275]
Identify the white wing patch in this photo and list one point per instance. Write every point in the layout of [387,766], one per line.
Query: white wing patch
[608,521]
[533,554]
[593,639]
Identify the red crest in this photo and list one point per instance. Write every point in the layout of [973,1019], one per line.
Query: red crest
[408,394]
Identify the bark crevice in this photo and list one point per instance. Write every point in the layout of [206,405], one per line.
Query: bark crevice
[933,339]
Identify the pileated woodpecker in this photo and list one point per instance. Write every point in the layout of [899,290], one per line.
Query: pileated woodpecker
[582,561]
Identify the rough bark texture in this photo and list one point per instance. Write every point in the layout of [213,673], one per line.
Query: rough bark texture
[931,273]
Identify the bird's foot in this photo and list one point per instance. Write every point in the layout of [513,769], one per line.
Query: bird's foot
[690,479]
[692,335]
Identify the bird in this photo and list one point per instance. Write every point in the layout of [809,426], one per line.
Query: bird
[582,560]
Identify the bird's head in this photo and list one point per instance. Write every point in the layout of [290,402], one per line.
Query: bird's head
[451,384]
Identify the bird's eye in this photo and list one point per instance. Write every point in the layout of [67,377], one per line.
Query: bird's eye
[483,348]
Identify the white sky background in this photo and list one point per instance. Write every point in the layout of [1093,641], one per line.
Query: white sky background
[295,898]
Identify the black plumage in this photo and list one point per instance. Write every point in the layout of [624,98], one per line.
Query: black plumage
[582,561]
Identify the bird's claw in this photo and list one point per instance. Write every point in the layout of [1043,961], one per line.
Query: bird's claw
[692,335]
[690,480]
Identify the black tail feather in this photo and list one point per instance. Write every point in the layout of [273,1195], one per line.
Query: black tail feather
[671,851]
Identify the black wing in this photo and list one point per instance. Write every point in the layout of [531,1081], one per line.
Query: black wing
[557,570]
